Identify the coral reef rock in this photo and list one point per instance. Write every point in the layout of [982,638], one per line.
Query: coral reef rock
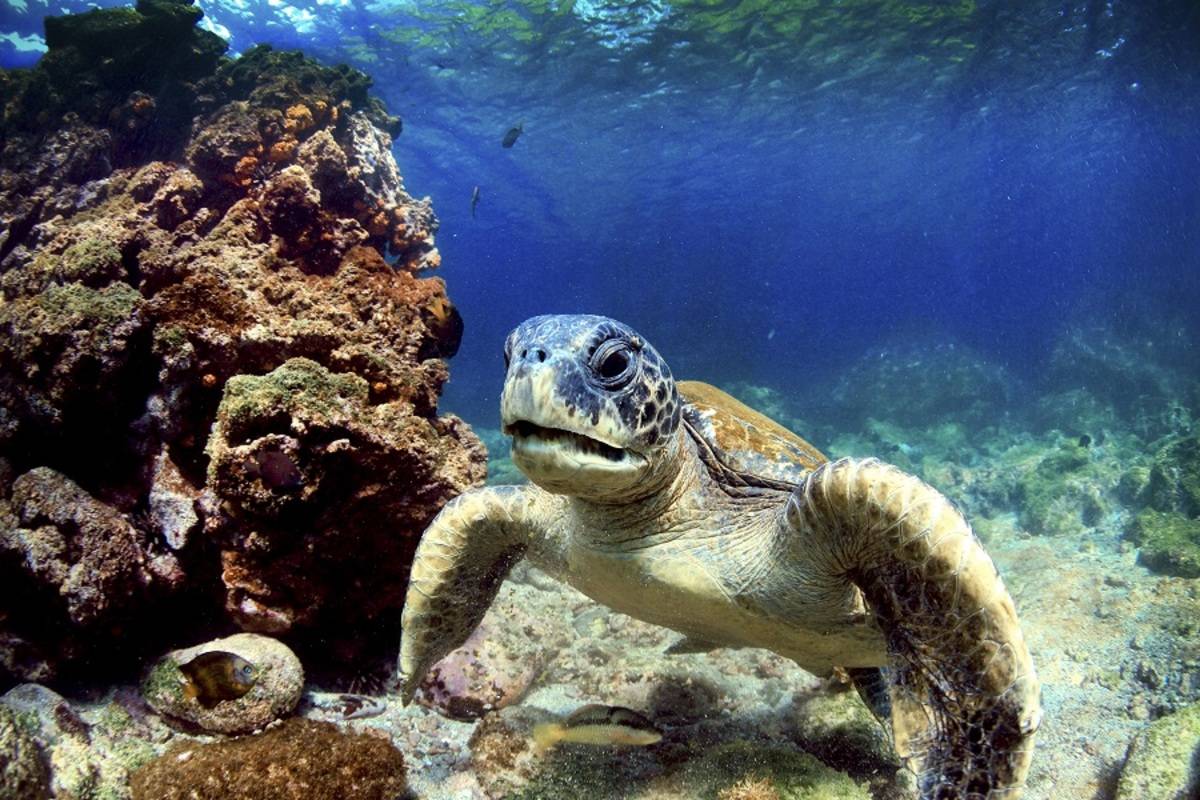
[299,760]
[186,239]
[91,747]
[1164,761]
[277,687]
[1167,489]
[23,771]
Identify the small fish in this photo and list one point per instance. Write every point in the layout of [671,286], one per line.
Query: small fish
[474,200]
[359,706]
[513,134]
[216,676]
[276,469]
[599,725]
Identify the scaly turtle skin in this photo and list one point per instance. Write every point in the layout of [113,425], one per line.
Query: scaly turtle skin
[676,504]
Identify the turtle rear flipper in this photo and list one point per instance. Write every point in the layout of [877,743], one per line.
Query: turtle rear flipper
[965,697]
[462,559]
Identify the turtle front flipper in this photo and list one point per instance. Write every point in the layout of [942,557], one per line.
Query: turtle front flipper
[965,697]
[462,559]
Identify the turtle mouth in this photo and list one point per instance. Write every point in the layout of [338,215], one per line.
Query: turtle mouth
[529,436]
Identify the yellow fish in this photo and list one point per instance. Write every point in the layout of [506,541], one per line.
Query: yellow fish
[599,725]
[217,675]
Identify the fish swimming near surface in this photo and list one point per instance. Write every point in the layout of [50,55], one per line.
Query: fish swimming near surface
[474,200]
[513,134]
[599,725]
[216,676]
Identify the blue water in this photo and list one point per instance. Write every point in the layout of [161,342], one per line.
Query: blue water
[771,191]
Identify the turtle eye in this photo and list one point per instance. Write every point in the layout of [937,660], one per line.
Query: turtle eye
[613,364]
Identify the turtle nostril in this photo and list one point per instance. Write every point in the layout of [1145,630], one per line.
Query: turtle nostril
[533,354]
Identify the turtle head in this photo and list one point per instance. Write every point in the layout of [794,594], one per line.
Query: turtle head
[591,407]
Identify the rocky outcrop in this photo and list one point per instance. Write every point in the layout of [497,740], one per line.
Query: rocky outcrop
[218,397]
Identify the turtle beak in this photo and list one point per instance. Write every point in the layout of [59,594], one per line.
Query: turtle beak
[526,432]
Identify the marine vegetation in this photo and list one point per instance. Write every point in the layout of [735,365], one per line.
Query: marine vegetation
[676,504]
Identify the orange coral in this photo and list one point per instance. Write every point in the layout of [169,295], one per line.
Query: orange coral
[377,225]
[244,171]
[283,150]
[298,119]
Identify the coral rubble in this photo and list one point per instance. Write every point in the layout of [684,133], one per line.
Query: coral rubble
[187,239]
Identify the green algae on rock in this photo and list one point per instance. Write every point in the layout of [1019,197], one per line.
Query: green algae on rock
[1167,489]
[794,775]
[298,760]
[91,747]
[1169,542]
[1174,480]
[1060,494]
[23,772]
[1164,760]
[838,728]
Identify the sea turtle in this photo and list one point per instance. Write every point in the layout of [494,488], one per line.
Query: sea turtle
[677,504]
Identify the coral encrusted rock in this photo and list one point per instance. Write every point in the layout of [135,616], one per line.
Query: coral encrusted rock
[23,771]
[1167,529]
[305,462]
[218,399]
[299,760]
[1163,762]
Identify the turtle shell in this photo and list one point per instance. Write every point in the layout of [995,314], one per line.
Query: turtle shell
[745,441]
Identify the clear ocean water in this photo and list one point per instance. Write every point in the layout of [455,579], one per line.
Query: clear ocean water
[771,189]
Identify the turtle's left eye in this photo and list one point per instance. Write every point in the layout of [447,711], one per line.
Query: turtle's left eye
[613,364]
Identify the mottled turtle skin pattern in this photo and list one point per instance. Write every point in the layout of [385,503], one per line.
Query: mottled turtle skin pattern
[676,504]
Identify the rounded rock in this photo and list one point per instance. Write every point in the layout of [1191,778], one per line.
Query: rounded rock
[481,676]
[274,695]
